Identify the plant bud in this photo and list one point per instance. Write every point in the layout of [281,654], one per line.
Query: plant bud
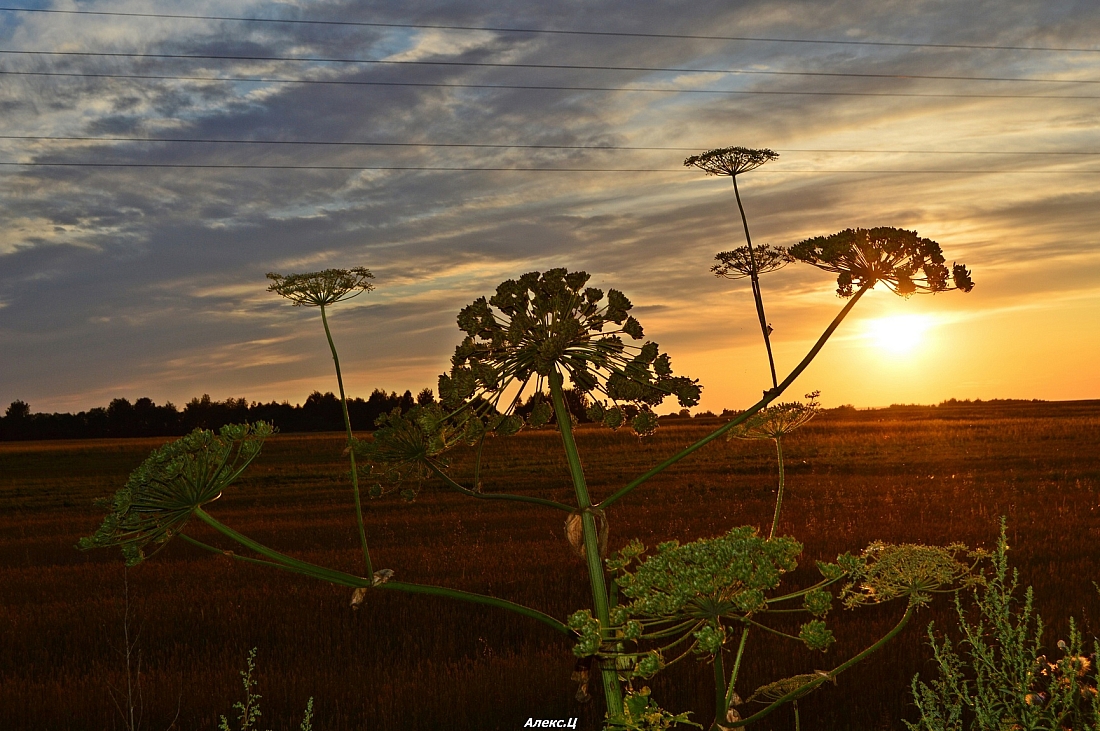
[574,532]
[580,676]
[357,597]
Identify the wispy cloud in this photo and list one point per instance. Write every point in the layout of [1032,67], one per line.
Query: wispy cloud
[114,280]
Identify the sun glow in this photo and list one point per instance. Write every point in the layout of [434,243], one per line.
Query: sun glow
[898,334]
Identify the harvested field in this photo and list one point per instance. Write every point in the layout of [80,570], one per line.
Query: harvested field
[911,474]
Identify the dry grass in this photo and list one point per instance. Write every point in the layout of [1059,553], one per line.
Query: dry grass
[405,662]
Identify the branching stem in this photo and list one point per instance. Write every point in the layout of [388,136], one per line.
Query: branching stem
[281,560]
[779,496]
[755,279]
[743,416]
[830,675]
[736,666]
[456,486]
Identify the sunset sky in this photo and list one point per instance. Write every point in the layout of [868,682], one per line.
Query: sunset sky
[134,281]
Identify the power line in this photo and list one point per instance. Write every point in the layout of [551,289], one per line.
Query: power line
[540,87]
[549,31]
[373,143]
[555,66]
[356,168]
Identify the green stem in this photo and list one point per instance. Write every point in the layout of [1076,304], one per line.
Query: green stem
[736,666]
[830,675]
[733,423]
[608,674]
[451,483]
[779,496]
[340,578]
[719,688]
[755,279]
[351,452]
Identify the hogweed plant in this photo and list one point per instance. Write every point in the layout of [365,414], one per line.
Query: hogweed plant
[774,423]
[321,290]
[731,162]
[533,337]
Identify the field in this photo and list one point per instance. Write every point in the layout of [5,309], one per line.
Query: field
[911,474]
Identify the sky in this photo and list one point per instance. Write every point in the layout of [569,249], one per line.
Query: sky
[133,281]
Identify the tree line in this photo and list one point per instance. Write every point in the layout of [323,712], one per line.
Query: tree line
[144,418]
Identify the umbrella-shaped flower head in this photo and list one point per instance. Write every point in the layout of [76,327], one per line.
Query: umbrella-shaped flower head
[706,579]
[778,420]
[731,161]
[547,323]
[884,572]
[738,263]
[174,481]
[900,259]
[320,289]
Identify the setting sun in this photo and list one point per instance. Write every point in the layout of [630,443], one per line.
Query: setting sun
[898,334]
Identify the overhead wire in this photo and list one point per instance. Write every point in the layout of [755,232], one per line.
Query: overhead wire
[538,87]
[549,31]
[346,82]
[479,145]
[354,168]
[546,66]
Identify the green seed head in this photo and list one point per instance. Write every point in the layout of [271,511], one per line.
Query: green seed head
[174,481]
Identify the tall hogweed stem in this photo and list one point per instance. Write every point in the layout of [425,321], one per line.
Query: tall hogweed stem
[351,452]
[608,675]
[321,289]
[765,330]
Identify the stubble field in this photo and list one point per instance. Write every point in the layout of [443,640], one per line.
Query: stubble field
[915,474]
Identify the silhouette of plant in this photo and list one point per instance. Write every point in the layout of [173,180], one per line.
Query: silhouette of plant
[172,484]
[322,289]
[738,263]
[731,162]
[535,334]
[900,259]
[774,423]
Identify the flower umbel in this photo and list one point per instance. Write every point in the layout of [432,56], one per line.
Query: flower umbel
[737,264]
[175,480]
[778,420]
[731,161]
[319,289]
[902,260]
[549,322]
[884,572]
[723,576]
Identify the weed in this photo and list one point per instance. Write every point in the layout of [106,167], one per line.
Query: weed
[535,333]
[248,710]
[1002,680]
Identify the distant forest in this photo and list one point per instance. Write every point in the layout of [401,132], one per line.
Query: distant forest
[143,418]
[321,412]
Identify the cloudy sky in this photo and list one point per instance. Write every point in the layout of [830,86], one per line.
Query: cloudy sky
[147,278]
